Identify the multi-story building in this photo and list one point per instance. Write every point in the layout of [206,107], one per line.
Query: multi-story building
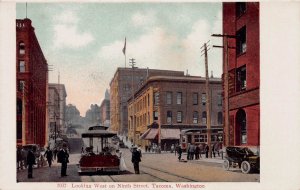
[105,110]
[242,20]
[173,103]
[121,90]
[53,110]
[32,86]
[62,105]
[72,114]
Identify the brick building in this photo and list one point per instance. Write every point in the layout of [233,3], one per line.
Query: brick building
[175,103]
[121,91]
[32,86]
[242,19]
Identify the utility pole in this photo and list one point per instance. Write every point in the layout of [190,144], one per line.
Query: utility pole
[226,84]
[132,64]
[208,120]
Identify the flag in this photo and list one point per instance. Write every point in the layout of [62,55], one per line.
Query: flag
[124,48]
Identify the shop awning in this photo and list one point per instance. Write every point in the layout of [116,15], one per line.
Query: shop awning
[151,134]
[170,133]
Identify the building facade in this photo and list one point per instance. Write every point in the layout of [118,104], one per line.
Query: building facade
[121,90]
[174,104]
[32,86]
[53,111]
[242,20]
[61,121]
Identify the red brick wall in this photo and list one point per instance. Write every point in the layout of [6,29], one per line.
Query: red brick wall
[247,100]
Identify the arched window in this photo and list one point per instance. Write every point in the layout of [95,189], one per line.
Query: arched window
[204,117]
[195,117]
[220,117]
[241,127]
[21,48]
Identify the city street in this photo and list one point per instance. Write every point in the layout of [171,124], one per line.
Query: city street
[162,167]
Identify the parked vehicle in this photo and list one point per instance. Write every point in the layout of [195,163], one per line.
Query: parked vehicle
[241,157]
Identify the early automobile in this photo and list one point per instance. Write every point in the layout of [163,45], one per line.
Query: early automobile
[105,160]
[242,157]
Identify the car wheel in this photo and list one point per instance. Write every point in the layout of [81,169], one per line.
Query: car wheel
[226,165]
[245,166]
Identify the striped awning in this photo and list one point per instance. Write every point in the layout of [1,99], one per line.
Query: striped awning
[151,134]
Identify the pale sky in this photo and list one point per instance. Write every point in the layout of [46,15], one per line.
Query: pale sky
[84,41]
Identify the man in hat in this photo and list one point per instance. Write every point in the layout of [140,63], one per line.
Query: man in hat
[49,156]
[135,159]
[30,162]
[63,158]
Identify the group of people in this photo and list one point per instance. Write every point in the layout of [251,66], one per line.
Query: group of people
[194,151]
[62,157]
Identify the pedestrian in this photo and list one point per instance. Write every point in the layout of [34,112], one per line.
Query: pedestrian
[176,147]
[146,148]
[30,162]
[172,148]
[201,148]
[136,159]
[49,156]
[179,151]
[165,147]
[213,150]
[197,152]
[63,158]
[192,151]
[55,153]
[188,151]
[206,151]
[19,158]
[82,150]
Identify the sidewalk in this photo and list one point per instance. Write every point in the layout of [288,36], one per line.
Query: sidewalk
[216,160]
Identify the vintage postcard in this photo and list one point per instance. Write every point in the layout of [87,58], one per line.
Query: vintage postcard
[147,95]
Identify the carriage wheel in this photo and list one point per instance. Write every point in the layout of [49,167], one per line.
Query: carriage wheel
[245,166]
[226,165]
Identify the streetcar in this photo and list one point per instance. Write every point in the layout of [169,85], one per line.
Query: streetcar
[198,136]
[103,160]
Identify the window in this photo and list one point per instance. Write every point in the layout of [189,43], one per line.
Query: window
[195,98]
[195,117]
[241,79]
[19,129]
[241,45]
[179,97]
[19,106]
[21,85]
[169,98]
[220,118]
[203,138]
[155,115]
[22,48]
[240,8]
[204,117]
[179,117]
[22,66]
[220,100]
[203,98]
[241,125]
[148,97]
[196,138]
[156,98]
[169,116]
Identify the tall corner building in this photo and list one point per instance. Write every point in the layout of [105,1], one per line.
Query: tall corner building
[241,19]
[31,87]
[124,82]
